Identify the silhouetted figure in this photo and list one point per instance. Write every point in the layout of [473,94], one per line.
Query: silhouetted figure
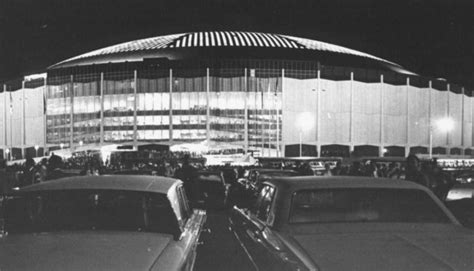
[414,173]
[327,171]
[356,169]
[440,182]
[305,170]
[188,174]
[4,180]
[29,172]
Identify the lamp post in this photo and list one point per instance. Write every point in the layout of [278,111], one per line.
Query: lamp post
[7,151]
[305,122]
[36,150]
[444,125]
[61,145]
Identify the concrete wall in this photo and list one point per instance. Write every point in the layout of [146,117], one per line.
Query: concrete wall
[380,114]
[22,118]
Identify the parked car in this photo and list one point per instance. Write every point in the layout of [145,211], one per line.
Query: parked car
[350,223]
[461,191]
[115,222]
[213,189]
[460,200]
[463,209]
[254,177]
[465,177]
[148,172]
[245,191]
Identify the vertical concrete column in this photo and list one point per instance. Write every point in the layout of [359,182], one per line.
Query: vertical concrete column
[135,98]
[10,128]
[208,109]
[351,116]
[71,116]
[472,121]
[270,117]
[171,107]
[23,120]
[5,141]
[448,148]
[381,147]
[246,113]
[318,119]
[277,110]
[408,113]
[462,121]
[430,120]
[45,111]
[262,126]
[102,120]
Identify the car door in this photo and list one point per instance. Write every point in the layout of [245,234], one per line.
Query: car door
[252,230]
[192,222]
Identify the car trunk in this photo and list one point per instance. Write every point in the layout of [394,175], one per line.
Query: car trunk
[88,250]
[442,249]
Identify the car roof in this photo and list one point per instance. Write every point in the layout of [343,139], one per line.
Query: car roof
[140,183]
[287,186]
[311,182]
[272,170]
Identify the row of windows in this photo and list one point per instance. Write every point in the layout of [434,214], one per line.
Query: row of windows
[195,102]
[223,68]
[213,112]
[128,135]
[162,85]
[238,128]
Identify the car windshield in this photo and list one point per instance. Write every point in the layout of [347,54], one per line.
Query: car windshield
[365,205]
[90,210]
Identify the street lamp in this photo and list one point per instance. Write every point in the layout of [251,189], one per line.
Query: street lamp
[36,150]
[444,125]
[304,122]
[61,145]
[7,151]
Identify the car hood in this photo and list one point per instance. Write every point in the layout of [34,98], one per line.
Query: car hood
[402,250]
[82,251]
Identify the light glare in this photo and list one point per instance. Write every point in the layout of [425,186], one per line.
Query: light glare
[305,121]
[445,124]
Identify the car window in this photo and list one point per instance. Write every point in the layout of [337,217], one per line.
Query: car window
[210,178]
[184,204]
[270,174]
[90,210]
[264,202]
[365,205]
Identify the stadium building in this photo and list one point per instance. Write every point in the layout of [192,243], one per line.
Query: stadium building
[265,93]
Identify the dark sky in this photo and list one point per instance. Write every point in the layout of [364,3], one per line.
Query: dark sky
[430,37]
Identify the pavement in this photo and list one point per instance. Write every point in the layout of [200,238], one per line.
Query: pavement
[221,250]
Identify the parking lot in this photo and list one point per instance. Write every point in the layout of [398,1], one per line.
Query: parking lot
[220,249]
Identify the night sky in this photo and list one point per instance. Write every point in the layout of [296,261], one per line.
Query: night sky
[430,37]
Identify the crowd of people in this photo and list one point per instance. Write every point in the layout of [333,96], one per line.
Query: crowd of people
[172,164]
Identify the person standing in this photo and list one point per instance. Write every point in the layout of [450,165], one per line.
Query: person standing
[4,180]
[414,173]
[188,174]
[327,168]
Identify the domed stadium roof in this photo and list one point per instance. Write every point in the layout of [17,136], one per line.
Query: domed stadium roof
[184,45]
